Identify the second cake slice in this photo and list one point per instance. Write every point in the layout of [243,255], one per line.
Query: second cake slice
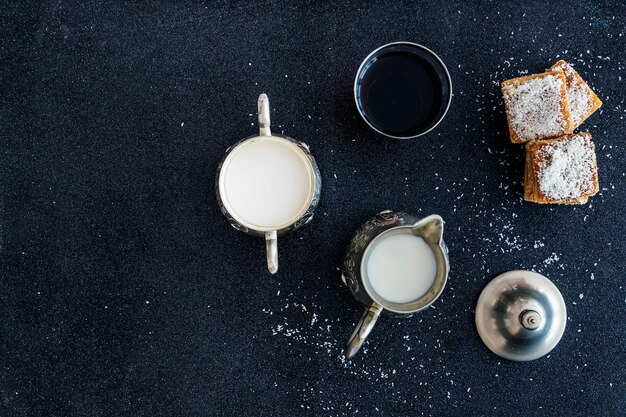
[583,102]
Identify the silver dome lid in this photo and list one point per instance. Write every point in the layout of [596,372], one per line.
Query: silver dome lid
[520,315]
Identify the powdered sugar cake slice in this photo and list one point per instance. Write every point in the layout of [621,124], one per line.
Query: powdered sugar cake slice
[563,170]
[583,102]
[536,106]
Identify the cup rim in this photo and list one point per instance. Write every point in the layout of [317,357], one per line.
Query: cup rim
[224,196]
[384,303]
[419,46]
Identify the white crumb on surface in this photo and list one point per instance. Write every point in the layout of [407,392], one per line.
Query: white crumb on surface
[535,108]
[551,259]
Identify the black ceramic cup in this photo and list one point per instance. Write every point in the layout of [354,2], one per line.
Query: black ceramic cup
[402,90]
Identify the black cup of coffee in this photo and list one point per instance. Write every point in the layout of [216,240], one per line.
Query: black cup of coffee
[402,90]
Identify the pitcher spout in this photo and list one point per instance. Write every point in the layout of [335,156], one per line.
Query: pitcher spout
[430,228]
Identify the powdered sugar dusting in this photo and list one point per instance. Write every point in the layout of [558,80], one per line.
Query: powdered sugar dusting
[535,106]
[579,95]
[567,168]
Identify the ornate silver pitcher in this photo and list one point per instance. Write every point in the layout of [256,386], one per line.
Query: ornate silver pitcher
[355,274]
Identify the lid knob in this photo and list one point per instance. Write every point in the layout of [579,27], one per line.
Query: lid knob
[530,319]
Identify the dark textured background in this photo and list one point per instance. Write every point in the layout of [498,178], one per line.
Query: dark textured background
[123,291]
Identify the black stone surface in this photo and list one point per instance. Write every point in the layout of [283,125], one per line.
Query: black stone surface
[124,292]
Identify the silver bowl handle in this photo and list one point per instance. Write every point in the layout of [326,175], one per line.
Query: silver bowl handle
[264,115]
[271,246]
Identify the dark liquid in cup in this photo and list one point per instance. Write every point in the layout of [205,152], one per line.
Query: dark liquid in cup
[402,93]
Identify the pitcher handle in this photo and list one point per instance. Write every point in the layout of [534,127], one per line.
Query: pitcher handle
[263,105]
[271,247]
[362,329]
